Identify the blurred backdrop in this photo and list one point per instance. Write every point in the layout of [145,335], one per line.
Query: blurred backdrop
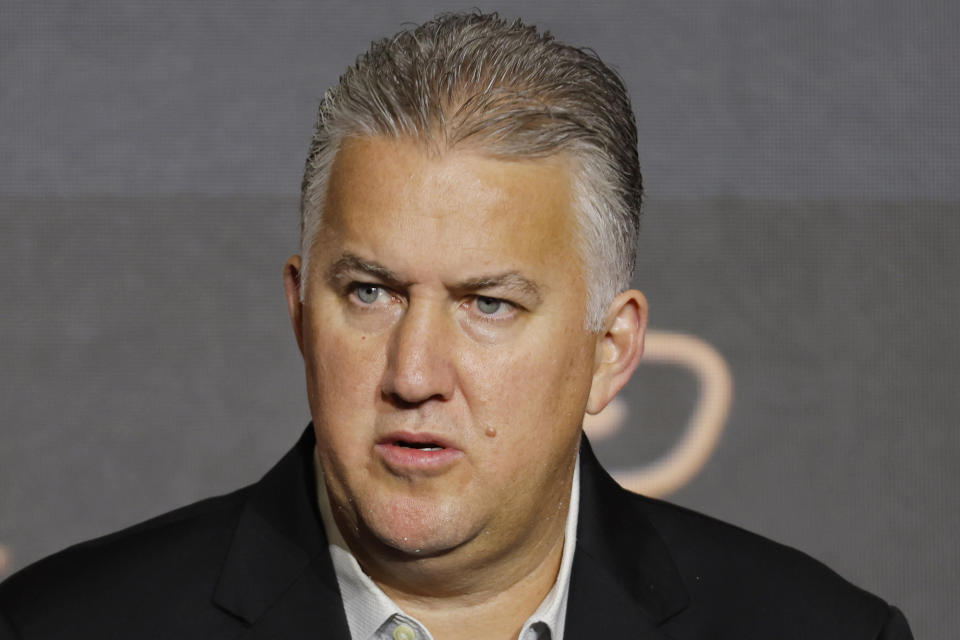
[802,164]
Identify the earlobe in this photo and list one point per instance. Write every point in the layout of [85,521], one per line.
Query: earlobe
[619,348]
[291,286]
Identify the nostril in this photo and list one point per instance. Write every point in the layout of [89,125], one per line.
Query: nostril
[398,401]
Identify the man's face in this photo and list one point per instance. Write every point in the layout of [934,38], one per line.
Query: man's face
[446,356]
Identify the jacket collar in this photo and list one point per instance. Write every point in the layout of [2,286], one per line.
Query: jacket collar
[278,576]
[624,582]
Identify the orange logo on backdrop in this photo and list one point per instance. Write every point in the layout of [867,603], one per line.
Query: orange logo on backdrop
[700,436]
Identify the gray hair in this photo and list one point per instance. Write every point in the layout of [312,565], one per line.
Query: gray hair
[478,81]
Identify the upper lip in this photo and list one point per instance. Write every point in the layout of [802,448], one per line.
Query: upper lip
[417,437]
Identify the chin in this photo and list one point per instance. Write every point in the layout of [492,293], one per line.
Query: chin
[412,527]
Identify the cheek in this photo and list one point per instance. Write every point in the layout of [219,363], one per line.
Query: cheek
[533,392]
[344,369]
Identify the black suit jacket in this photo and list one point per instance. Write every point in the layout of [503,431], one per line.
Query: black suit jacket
[254,564]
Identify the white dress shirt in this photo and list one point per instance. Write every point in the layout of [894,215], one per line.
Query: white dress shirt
[372,615]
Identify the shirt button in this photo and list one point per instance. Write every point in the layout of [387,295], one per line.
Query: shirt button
[404,632]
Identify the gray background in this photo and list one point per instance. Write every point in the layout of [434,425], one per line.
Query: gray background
[801,162]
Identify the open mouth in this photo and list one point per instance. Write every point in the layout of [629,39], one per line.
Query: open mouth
[418,453]
[422,446]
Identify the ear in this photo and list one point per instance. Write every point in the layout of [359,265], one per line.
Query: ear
[619,348]
[291,286]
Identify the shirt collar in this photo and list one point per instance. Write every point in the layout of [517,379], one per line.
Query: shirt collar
[368,608]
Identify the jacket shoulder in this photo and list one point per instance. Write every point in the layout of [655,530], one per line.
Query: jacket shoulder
[746,585]
[138,575]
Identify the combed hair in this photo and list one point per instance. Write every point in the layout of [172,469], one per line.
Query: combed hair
[479,82]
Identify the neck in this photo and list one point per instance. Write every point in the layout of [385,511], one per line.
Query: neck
[473,590]
[497,608]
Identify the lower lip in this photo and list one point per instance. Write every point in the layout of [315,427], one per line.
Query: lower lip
[409,460]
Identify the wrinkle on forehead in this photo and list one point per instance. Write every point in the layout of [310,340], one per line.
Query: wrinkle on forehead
[472,216]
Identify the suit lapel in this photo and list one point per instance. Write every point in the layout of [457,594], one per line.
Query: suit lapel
[278,577]
[624,583]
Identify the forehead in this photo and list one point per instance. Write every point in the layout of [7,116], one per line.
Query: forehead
[454,207]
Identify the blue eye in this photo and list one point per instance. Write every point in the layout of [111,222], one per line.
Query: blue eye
[489,306]
[368,293]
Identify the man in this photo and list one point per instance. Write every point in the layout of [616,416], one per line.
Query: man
[469,214]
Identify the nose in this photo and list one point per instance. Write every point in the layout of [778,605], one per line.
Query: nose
[420,365]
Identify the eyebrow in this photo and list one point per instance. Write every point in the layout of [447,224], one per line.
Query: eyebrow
[350,262]
[509,280]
